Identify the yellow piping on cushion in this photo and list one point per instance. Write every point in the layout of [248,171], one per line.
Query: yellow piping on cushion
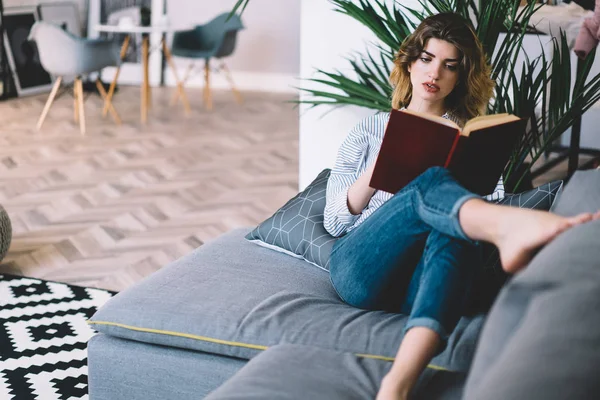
[230,343]
[185,335]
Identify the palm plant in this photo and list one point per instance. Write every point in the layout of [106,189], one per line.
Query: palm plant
[541,93]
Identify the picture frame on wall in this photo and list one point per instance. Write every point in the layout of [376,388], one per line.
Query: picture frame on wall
[64,14]
[28,74]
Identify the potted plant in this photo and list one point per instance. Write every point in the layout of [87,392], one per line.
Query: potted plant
[541,92]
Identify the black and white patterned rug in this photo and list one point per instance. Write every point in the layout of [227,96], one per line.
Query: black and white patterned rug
[43,338]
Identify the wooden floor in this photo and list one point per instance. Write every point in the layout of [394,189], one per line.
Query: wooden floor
[110,208]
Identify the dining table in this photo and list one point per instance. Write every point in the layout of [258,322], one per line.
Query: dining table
[130,31]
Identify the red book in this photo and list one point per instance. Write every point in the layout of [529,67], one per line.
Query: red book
[476,155]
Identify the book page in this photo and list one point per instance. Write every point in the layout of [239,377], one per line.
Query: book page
[486,121]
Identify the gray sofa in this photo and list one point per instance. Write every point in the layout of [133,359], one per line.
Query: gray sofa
[233,320]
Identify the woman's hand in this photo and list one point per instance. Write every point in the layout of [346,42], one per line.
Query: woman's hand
[360,192]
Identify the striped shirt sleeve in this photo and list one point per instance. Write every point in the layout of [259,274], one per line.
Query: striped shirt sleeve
[498,193]
[351,155]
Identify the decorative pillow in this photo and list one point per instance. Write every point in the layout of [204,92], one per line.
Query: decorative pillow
[297,228]
[492,277]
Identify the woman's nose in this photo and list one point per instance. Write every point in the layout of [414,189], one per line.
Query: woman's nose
[435,71]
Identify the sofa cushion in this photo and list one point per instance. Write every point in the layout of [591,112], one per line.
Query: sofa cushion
[297,227]
[234,298]
[281,373]
[543,332]
[539,198]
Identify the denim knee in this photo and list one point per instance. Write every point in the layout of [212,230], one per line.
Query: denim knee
[433,173]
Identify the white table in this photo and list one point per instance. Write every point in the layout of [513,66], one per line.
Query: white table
[131,30]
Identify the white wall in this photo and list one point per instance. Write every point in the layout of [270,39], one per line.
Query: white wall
[326,37]
[267,55]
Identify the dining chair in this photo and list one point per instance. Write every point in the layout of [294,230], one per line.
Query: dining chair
[63,54]
[215,39]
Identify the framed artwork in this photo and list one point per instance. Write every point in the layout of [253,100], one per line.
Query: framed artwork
[63,14]
[24,61]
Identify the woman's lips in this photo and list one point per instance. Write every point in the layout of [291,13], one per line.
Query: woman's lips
[431,87]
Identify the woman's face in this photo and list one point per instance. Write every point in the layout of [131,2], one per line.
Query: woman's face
[435,73]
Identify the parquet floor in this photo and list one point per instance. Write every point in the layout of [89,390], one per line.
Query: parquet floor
[110,208]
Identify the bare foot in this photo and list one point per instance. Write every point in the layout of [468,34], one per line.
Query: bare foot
[523,232]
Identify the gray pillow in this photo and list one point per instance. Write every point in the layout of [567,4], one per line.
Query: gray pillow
[539,198]
[492,277]
[297,228]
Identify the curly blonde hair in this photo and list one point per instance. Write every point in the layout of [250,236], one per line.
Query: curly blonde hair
[475,87]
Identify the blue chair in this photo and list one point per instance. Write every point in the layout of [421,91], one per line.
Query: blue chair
[215,39]
[63,54]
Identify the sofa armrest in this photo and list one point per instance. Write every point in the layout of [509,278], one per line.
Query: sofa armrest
[542,337]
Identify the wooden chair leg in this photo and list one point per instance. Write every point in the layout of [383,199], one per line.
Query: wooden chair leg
[236,93]
[111,89]
[176,94]
[148,86]
[144,103]
[111,108]
[49,102]
[180,90]
[207,93]
[75,102]
[79,86]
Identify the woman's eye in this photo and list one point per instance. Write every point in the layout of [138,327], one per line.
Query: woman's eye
[451,67]
[425,59]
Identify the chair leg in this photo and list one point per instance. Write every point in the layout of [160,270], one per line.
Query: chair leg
[49,102]
[176,94]
[75,102]
[207,93]
[79,89]
[111,108]
[236,93]
[180,90]
[145,98]
[111,89]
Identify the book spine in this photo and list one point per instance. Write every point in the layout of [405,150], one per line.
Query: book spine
[452,149]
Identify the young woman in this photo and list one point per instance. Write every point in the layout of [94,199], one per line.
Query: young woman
[414,252]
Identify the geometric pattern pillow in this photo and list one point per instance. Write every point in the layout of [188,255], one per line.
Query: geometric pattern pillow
[539,198]
[297,228]
[491,276]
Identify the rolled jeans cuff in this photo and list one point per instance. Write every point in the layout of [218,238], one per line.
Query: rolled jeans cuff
[426,322]
[455,217]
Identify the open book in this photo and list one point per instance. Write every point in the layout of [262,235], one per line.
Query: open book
[476,155]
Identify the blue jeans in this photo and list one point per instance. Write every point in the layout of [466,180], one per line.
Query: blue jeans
[411,255]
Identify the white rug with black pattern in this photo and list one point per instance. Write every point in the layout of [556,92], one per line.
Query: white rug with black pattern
[43,338]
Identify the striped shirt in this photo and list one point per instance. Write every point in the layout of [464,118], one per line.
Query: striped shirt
[358,151]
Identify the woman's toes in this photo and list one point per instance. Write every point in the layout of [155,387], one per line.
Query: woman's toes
[580,219]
